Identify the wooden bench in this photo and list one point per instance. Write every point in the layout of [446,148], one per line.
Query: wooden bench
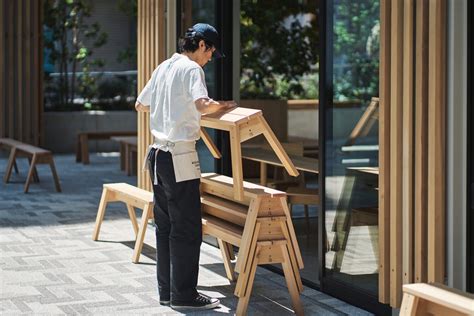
[260,225]
[435,299]
[82,147]
[243,124]
[128,153]
[36,156]
[132,197]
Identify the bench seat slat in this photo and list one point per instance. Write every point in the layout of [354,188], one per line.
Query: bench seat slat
[224,209]
[442,295]
[30,149]
[224,186]
[131,191]
[221,229]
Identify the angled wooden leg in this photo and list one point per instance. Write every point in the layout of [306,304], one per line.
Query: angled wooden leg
[291,281]
[100,213]
[247,292]
[55,175]
[409,305]
[141,233]
[133,218]
[10,164]
[231,251]
[35,171]
[229,270]
[30,172]
[15,166]
[248,258]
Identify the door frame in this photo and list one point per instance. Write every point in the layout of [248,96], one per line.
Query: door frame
[470,154]
[330,285]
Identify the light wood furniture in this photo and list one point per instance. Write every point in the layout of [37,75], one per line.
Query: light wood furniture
[82,147]
[244,124]
[435,299]
[132,197]
[36,156]
[265,157]
[128,153]
[365,123]
[260,225]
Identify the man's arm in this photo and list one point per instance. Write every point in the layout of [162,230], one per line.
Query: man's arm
[141,107]
[207,106]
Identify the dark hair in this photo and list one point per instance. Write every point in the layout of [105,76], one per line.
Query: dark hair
[190,42]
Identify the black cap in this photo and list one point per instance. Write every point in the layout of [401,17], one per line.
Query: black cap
[209,33]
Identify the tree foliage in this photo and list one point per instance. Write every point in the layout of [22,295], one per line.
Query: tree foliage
[279,45]
[70,46]
[356,49]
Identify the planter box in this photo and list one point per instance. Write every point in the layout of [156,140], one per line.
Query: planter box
[61,128]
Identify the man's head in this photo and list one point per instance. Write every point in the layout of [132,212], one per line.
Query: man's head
[201,41]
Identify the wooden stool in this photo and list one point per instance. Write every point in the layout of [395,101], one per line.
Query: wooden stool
[36,156]
[260,225]
[242,125]
[132,197]
[435,299]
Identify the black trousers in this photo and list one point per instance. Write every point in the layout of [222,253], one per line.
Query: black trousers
[177,214]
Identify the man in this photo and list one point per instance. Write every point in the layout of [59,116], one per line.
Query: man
[176,96]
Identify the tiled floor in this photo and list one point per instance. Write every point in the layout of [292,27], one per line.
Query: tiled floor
[49,264]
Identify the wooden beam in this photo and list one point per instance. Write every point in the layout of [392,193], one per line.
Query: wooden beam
[407,135]
[396,153]
[421,139]
[436,140]
[384,152]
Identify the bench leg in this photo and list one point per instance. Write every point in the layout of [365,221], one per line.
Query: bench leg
[229,270]
[11,162]
[133,218]
[231,251]
[291,281]
[78,149]
[55,175]
[15,166]
[122,156]
[409,305]
[100,214]
[141,233]
[85,149]
[245,298]
[236,157]
[31,172]
[35,172]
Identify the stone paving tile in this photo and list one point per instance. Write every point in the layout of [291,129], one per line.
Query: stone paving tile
[49,264]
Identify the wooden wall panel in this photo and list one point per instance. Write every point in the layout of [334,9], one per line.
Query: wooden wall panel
[396,151]
[384,153]
[21,76]
[436,140]
[151,51]
[407,136]
[421,140]
[412,144]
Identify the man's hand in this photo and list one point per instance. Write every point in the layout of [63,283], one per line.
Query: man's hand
[141,108]
[207,106]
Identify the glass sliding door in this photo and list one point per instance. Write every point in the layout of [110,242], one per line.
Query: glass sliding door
[349,119]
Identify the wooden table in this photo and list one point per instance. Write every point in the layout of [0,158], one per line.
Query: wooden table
[128,146]
[82,148]
[265,157]
[243,124]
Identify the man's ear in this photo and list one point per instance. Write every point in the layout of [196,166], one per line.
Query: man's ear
[202,44]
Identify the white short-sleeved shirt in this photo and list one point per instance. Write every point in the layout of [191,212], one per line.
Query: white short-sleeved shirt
[174,86]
